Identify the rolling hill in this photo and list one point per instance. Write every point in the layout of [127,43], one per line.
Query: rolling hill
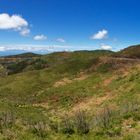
[78,95]
[130,52]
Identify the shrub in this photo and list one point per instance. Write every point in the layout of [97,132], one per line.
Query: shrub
[39,128]
[130,109]
[103,68]
[114,131]
[67,125]
[81,122]
[54,126]
[16,67]
[130,137]
[7,119]
[104,118]
[39,64]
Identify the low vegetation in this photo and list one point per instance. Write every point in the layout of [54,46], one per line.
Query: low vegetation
[79,95]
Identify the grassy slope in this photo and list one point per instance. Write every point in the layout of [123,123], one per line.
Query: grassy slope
[72,82]
[130,52]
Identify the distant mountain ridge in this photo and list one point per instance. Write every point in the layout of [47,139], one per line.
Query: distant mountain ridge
[129,52]
[23,55]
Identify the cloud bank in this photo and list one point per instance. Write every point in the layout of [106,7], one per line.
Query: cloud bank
[33,48]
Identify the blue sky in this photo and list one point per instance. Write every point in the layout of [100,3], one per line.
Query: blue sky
[57,25]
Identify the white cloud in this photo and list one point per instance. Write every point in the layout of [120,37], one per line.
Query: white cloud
[61,40]
[106,47]
[25,32]
[100,35]
[40,37]
[14,22]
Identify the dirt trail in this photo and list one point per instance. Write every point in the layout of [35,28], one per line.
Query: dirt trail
[108,81]
[92,102]
[44,105]
[126,59]
[62,82]
[66,81]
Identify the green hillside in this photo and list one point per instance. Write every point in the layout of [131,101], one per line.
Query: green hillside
[83,95]
[130,52]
